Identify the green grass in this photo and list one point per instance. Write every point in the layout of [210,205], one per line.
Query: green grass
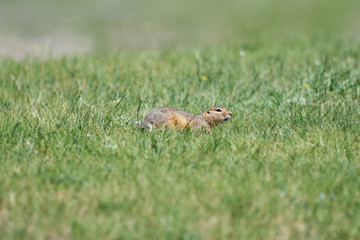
[74,166]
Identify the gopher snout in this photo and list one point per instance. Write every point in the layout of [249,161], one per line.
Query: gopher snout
[227,118]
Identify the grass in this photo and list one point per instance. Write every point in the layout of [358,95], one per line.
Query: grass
[286,166]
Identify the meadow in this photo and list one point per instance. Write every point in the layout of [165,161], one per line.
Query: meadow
[73,164]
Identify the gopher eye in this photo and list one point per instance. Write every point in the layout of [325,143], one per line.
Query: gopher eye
[218,110]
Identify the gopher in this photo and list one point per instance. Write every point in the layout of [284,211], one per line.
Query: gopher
[179,119]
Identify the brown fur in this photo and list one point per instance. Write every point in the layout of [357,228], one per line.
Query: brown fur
[175,118]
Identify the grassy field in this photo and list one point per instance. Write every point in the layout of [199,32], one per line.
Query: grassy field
[73,165]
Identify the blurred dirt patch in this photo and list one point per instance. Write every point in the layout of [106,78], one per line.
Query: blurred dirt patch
[54,45]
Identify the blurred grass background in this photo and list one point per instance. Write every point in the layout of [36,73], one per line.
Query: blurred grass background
[66,27]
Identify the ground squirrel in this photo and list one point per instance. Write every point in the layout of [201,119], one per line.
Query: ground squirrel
[175,118]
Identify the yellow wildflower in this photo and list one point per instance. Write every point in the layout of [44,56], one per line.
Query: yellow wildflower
[306,85]
[204,78]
